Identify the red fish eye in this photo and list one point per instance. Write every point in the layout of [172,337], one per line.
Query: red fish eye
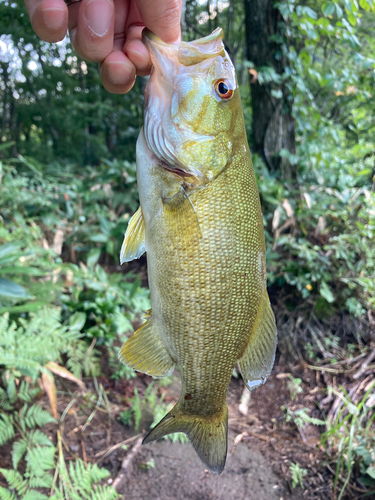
[223,89]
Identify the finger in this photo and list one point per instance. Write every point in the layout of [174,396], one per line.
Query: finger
[91,27]
[49,18]
[117,73]
[162,18]
[134,48]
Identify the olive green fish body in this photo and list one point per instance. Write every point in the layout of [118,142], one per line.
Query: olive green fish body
[201,225]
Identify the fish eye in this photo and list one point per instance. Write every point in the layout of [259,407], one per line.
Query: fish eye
[222,88]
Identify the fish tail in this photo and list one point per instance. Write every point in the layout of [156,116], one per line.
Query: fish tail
[208,435]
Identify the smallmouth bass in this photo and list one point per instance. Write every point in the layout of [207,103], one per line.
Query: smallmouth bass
[200,223]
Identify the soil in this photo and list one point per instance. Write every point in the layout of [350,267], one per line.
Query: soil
[262,445]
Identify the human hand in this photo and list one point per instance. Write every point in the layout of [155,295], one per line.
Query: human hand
[108,32]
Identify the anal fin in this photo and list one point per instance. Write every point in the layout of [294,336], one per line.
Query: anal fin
[257,361]
[145,351]
[134,241]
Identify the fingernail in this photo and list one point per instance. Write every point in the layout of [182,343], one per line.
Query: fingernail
[53,17]
[99,16]
[72,36]
[119,72]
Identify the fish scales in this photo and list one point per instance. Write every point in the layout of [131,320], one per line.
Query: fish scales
[200,222]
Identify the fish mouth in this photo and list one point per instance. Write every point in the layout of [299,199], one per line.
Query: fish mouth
[163,136]
[185,53]
[164,56]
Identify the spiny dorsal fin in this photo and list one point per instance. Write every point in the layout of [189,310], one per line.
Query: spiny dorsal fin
[134,242]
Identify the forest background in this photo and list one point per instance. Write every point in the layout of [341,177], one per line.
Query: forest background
[306,71]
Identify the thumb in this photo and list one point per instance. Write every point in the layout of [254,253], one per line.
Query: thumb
[162,17]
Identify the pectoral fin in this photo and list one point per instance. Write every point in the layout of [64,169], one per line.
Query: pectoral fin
[257,361]
[182,218]
[146,352]
[134,242]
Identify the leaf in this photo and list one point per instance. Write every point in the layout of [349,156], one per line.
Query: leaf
[326,293]
[5,494]
[99,238]
[34,495]
[77,321]
[36,416]
[371,471]
[29,307]
[40,459]
[328,9]
[63,372]
[31,271]
[38,438]
[12,290]
[18,451]
[6,429]
[339,11]
[365,5]
[8,249]
[277,93]
[48,382]
[15,480]
[101,274]
[93,257]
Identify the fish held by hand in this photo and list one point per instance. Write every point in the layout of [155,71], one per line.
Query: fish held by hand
[200,223]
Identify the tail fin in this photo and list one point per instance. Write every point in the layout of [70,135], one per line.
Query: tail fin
[208,435]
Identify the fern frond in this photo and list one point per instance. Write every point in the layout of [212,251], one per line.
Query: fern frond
[19,449]
[97,473]
[44,481]
[80,476]
[34,495]
[27,393]
[15,480]
[4,401]
[78,359]
[38,438]
[6,429]
[104,493]
[36,416]
[39,460]
[7,495]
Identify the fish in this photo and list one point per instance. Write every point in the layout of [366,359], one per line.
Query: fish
[200,223]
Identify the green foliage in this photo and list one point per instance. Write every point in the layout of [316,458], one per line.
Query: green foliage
[119,369]
[153,404]
[350,438]
[85,123]
[33,446]
[294,386]
[27,347]
[79,481]
[301,417]
[297,474]
[107,302]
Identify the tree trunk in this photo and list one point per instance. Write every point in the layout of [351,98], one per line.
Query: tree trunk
[273,123]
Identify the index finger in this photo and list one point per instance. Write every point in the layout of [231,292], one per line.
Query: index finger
[162,17]
[49,18]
